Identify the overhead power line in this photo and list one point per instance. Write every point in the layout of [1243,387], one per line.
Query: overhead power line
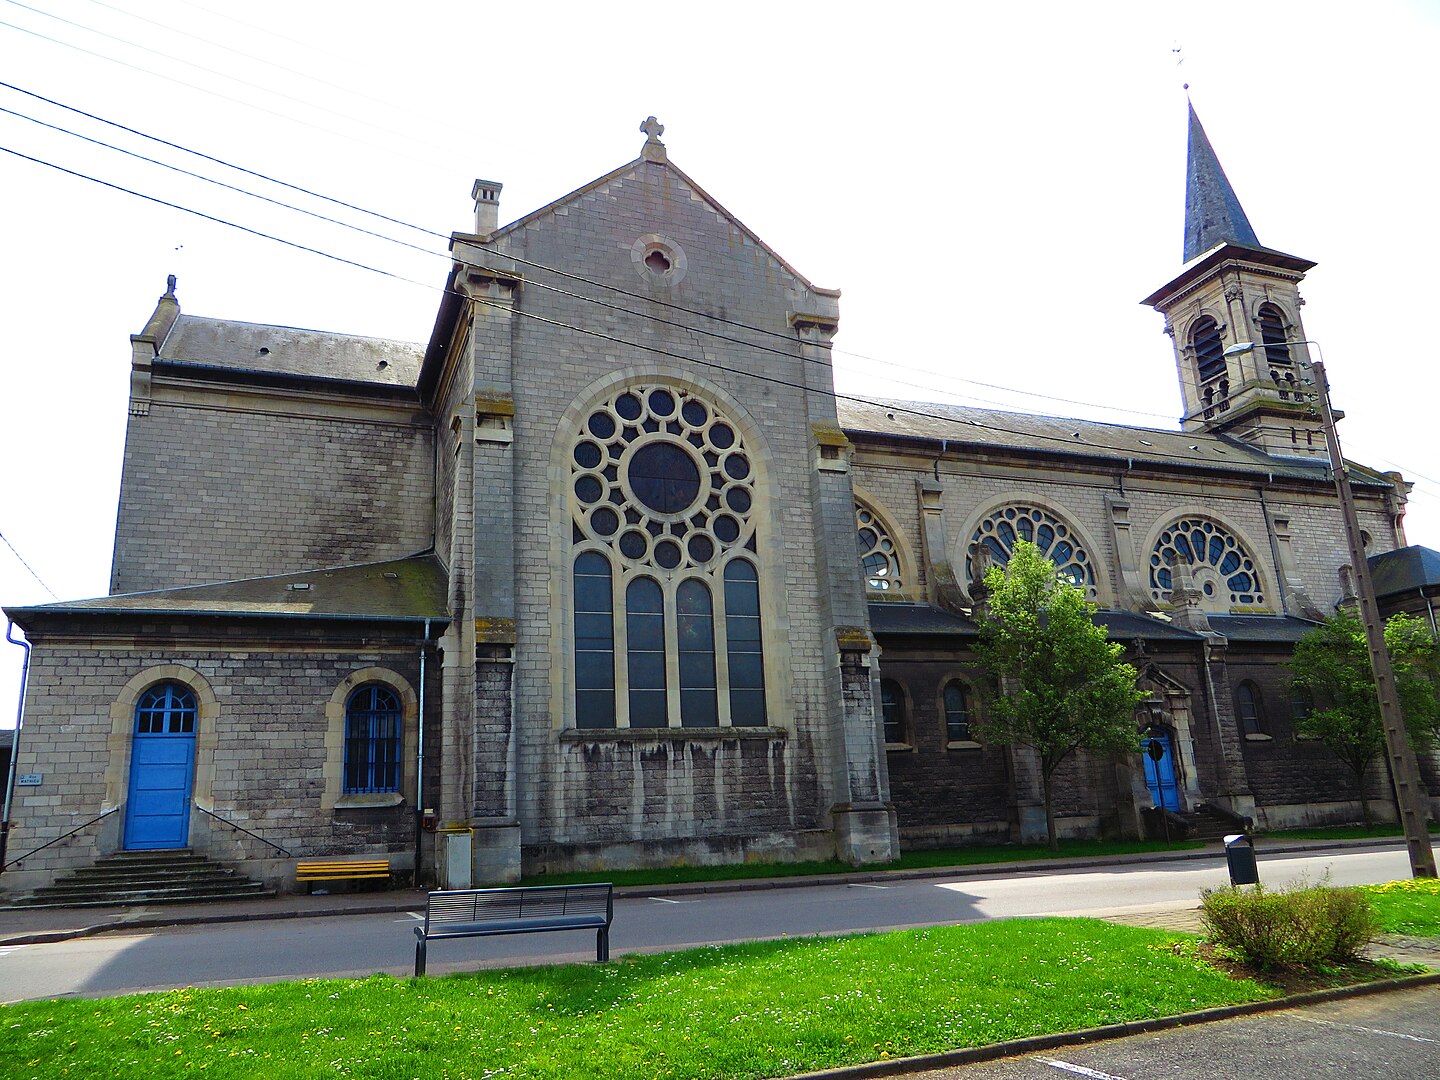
[28,567]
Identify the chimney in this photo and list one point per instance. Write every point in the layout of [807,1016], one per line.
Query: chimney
[486,194]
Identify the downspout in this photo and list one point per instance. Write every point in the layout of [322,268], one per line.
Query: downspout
[420,757]
[14,739]
[1430,607]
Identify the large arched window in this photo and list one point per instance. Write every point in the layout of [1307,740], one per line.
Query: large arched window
[1209,351]
[373,723]
[1225,572]
[166,709]
[998,533]
[666,590]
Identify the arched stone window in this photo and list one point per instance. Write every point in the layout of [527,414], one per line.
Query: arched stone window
[999,532]
[374,721]
[892,712]
[1250,709]
[879,559]
[1225,572]
[956,700]
[664,565]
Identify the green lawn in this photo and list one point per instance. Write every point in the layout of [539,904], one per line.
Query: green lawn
[757,1010]
[1343,832]
[1410,907]
[910,860]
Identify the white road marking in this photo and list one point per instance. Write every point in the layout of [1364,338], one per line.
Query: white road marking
[6,950]
[1367,1030]
[861,885]
[667,900]
[1078,1070]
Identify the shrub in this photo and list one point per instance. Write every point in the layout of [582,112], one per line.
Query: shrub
[1303,924]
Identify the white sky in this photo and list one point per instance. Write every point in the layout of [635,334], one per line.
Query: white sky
[994,187]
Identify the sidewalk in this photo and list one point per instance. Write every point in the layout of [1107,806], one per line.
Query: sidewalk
[29,926]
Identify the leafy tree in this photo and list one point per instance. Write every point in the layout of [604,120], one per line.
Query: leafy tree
[1059,685]
[1332,666]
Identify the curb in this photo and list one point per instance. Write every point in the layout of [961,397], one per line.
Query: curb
[1035,1044]
[699,888]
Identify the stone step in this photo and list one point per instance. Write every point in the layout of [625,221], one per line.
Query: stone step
[146,877]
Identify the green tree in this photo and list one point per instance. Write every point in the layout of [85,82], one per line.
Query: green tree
[1058,685]
[1332,667]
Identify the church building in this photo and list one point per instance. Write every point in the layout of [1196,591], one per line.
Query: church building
[605,574]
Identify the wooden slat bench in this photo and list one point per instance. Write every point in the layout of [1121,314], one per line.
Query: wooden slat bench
[536,909]
[313,870]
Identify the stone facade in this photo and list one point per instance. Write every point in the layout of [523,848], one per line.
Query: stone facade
[615,512]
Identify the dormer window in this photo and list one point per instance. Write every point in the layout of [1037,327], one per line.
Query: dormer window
[1272,334]
[1209,353]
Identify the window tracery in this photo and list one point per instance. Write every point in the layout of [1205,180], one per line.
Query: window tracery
[1225,572]
[664,565]
[999,532]
[879,560]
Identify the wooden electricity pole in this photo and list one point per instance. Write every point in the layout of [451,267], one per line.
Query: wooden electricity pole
[1411,797]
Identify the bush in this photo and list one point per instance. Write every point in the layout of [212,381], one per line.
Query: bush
[1303,925]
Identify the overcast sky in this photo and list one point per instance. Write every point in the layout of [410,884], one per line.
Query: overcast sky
[994,188]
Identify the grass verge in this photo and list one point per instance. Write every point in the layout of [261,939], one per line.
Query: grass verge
[755,1010]
[1343,832]
[1410,907]
[910,860]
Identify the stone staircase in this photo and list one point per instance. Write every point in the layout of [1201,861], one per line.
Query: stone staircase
[1205,822]
[132,878]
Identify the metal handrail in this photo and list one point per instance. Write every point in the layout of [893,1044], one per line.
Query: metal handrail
[247,832]
[21,858]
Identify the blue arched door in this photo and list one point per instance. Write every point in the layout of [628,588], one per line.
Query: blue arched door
[1159,756]
[162,769]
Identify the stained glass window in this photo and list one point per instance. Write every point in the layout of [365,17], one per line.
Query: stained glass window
[1224,571]
[999,532]
[878,557]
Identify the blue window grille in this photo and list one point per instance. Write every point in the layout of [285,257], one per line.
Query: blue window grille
[166,709]
[372,741]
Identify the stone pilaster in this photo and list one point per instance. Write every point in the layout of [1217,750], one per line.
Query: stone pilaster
[1131,586]
[944,588]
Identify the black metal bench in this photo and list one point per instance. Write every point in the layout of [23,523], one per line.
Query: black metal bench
[536,909]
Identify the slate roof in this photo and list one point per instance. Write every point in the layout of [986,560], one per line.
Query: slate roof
[1280,628]
[895,619]
[1213,214]
[963,425]
[287,350]
[1406,569]
[408,590]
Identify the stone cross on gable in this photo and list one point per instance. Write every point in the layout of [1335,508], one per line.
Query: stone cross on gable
[654,129]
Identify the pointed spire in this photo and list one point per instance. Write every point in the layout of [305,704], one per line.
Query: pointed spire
[1213,214]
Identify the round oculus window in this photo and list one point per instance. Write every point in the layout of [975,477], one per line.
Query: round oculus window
[664,477]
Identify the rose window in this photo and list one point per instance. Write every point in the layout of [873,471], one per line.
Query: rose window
[663,479]
[1224,571]
[999,533]
[878,559]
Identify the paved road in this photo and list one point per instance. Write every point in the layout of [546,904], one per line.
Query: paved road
[362,944]
[1393,1036]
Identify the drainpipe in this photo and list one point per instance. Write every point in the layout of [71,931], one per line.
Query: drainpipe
[1430,607]
[420,757]
[14,739]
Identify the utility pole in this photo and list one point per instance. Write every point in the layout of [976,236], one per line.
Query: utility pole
[1411,797]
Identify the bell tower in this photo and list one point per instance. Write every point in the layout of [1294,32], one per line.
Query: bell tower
[1231,293]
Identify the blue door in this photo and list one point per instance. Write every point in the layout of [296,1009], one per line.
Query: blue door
[1160,773]
[162,769]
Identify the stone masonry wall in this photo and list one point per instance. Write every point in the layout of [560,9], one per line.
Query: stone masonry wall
[214,494]
[268,746]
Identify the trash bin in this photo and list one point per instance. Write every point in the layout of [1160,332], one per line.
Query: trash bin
[1240,857]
